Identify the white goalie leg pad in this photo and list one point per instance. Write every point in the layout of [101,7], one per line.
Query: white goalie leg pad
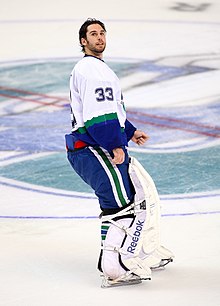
[112,238]
[121,244]
[152,251]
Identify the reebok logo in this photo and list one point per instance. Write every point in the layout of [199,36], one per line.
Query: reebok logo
[135,237]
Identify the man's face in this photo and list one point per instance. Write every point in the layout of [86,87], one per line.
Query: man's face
[95,41]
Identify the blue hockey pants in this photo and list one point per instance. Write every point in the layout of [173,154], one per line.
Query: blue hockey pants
[111,183]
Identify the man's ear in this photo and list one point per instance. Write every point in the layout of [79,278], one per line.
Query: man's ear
[83,42]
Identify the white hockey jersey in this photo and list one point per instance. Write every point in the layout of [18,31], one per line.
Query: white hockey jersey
[97,108]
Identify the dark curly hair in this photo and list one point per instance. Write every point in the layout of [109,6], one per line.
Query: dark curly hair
[83,29]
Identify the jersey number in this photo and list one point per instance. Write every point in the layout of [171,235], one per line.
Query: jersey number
[103,94]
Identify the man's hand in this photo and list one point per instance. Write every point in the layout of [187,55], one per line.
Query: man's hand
[119,156]
[139,137]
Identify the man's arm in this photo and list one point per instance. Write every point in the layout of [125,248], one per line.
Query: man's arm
[139,138]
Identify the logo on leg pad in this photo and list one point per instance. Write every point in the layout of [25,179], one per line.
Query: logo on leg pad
[135,237]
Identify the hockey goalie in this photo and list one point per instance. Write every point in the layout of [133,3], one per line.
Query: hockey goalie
[97,151]
[131,244]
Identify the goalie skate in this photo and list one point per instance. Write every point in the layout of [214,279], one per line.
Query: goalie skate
[162,264]
[125,280]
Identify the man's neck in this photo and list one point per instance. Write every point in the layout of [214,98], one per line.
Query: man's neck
[98,55]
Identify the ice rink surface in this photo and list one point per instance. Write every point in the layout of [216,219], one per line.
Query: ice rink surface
[167,55]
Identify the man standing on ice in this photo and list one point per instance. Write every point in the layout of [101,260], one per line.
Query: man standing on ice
[97,151]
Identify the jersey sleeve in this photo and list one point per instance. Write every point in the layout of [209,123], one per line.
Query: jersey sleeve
[129,130]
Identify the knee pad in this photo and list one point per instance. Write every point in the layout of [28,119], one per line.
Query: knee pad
[122,236]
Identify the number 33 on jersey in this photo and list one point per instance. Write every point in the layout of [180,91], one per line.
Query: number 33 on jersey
[95,94]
